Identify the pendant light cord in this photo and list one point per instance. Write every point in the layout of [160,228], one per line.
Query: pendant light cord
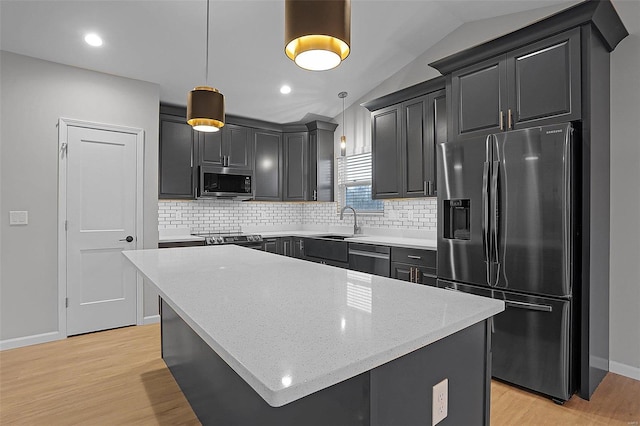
[206,65]
[344,131]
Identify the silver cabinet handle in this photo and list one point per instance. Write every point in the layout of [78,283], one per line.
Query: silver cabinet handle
[410,256]
[368,254]
[430,188]
[315,195]
[411,274]
[509,119]
[530,306]
[424,188]
[501,121]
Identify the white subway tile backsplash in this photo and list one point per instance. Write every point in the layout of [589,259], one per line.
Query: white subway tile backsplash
[231,216]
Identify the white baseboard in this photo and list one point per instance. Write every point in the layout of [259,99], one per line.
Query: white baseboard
[19,342]
[624,370]
[151,319]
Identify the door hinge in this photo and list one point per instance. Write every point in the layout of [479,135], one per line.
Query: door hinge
[63,148]
[66,302]
[66,225]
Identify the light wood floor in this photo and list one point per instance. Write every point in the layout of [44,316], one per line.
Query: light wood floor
[117,377]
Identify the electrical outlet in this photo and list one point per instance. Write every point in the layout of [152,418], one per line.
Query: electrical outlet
[440,401]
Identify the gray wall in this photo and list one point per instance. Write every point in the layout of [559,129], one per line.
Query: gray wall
[624,297]
[625,156]
[35,94]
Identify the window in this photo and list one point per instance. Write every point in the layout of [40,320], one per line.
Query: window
[354,179]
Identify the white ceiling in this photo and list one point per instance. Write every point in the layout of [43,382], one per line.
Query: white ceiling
[164,42]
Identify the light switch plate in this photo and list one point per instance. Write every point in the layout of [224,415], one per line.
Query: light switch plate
[18,217]
[440,401]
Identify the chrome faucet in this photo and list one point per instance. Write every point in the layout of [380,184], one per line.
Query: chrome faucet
[356,228]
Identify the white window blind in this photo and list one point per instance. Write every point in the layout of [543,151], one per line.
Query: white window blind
[355,183]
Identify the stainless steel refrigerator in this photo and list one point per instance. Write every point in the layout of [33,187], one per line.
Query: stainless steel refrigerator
[506,230]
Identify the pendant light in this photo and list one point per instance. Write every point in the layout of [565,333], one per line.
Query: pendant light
[205,104]
[317,32]
[343,138]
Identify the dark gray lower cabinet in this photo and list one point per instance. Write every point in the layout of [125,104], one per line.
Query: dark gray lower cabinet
[414,265]
[325,251]
[395,393]
[298,247]
[286,246]
[270,245]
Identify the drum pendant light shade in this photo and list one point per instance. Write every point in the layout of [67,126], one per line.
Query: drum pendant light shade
[317,33]
[205,109]
[205,105]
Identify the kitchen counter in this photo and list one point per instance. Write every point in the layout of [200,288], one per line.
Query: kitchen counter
[385,240]
[290,328]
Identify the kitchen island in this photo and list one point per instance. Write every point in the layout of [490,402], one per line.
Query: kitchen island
[256,338]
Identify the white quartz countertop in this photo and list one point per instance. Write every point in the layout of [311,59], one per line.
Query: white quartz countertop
[417,243]
[290,327]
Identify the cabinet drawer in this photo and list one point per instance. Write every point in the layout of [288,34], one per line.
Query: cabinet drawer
[426,258]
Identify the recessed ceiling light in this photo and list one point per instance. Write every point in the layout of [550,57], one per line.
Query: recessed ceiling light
[93,39]
[285,90]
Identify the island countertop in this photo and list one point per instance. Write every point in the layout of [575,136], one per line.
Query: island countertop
[290,327]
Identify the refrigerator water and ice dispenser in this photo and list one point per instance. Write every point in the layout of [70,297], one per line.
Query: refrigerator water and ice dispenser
[457,219]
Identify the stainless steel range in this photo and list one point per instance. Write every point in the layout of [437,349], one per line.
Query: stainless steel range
[246,240]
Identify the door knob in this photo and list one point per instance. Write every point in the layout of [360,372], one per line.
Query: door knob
[128,239]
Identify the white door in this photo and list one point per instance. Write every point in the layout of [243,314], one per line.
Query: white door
[101,214]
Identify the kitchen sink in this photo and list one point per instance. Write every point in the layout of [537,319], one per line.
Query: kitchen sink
[336,237]
[332,237]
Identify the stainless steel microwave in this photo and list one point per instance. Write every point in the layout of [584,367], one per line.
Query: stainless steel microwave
[225,182]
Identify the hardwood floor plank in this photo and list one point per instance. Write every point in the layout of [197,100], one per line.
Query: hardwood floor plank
[117,377]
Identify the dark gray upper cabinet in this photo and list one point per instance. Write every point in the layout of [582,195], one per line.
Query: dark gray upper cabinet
[296,148]
[177,178]
[535,85]
[386,152]
[479,98]
[267,177]
[404,137]
[230,147]
[544,81]
[321,160]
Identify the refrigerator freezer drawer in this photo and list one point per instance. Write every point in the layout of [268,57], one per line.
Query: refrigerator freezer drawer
[531,344]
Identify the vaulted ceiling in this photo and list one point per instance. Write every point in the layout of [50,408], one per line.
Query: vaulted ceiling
[164,42]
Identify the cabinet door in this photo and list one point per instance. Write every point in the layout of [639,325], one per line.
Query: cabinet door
[416,143]
[401,271]
[298,248]
[479,99]
[177,174]
[286,246]
[439,132]
[321,159]
[386,153]
[425,276]
[211,151]
[267,177]
[544,81]
[270,245]
[237,146]
[295,166]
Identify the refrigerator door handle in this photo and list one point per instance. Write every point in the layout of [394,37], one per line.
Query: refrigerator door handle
[485,218]
[495,215]
[529,306]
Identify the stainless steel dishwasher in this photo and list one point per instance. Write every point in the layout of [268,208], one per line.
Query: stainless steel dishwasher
[370,258]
